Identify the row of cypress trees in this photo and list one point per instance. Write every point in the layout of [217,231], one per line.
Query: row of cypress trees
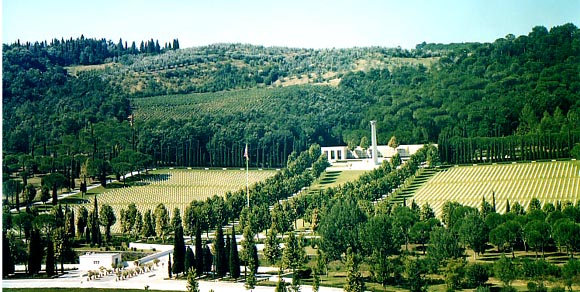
[225,253]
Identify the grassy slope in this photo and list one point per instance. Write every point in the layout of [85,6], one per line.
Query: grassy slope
[547,181]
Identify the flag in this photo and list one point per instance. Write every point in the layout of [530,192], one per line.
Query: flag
[246,153]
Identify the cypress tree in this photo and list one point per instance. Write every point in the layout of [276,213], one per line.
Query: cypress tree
[178,251]
[198,252]
[207,259]
[87,233]
[189,259]
[227,254]
[234,258]
[220,253]
[35,252]
[49,258]
[169,268]
[147,229]
[70,222]
[251,277]
[7,261]
[95,229]
[255,259]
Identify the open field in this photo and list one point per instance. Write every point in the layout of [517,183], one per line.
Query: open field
[177,188]
[547,181]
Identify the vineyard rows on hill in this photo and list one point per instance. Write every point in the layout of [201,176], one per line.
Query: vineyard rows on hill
[521,182]
[180,107]
[176,189]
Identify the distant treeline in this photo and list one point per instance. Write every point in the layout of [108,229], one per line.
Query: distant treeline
[88,51]
[539,146]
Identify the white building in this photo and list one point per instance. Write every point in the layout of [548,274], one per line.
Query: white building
[93,261]
[342,153]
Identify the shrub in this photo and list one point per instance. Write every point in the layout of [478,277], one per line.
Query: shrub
[505,270]
[482,289]
[476,275]
[558,289]
[534,269]
[454,274]
[537,287]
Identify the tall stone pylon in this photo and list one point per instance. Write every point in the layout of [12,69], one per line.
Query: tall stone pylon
[374,142]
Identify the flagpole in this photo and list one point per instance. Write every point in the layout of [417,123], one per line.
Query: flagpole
[247,176]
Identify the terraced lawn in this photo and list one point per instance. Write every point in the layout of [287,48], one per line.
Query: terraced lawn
[519,182]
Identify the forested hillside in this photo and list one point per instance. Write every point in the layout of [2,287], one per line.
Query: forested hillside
[69,100]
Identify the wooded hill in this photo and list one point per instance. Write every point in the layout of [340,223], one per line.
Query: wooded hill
[524,85]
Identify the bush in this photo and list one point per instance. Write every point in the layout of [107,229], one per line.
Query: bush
[557,289]
[476,275]
[537,287]
[533,269]
[454,274]
[482,289]
[505,270]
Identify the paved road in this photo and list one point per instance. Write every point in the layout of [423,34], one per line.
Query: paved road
[154,279]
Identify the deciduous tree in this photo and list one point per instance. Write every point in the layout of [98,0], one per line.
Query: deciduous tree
[107,219]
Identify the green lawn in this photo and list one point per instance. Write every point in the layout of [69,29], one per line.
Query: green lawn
[517,182]
[175,188]
[333,178]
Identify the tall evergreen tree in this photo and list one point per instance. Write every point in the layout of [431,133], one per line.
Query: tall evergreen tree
[178,251]
[69,222]
[7,260]
[227,253]
[198,251]
[50,261]
[162,224]
[169,269]
[220,253]
[251,276]
[95,230]
[234,256]
[176,220]
[207,258]
[189,259]
[147,229]
[82,217]
[35,252]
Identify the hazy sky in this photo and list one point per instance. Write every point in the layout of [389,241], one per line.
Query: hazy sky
[295,23]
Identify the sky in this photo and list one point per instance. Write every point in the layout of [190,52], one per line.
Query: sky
[295,23]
